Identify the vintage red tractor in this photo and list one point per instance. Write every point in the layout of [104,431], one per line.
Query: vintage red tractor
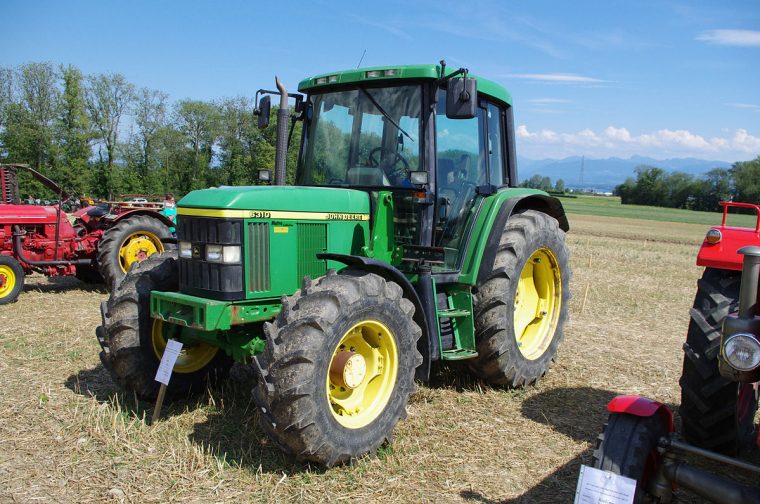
[95,243]
[719,385]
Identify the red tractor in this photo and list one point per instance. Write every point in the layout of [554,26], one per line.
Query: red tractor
[95,243]
[719,385]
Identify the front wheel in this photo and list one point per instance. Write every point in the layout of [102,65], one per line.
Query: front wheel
[521,303]
[133,343]
[628,447]
[338,367]
[11,279]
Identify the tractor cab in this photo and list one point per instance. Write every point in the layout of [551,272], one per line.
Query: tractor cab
[436,139]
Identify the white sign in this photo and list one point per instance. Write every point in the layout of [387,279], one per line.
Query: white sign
[171,352]
[603,487]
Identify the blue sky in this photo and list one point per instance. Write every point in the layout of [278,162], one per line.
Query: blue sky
[656,78]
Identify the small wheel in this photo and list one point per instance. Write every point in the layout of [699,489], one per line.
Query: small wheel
[521,306]
[628,447]
[716,413]
[133,342]
[132,239]
[338,367]
[400,173]
[11,279]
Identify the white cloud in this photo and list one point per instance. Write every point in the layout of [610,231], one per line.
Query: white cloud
[749,106]
[558,77]
[548,101]
[745,38]
[615,141]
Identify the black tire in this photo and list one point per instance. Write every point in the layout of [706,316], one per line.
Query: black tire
[501,359]
[628,447]
[110,263]
[292,391]
[716,413]
[89,275]
[11,279]
[128,341]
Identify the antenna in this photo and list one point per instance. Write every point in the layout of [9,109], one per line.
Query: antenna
[361,59]
[583,164]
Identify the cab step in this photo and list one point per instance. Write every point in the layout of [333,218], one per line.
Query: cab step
[459,354]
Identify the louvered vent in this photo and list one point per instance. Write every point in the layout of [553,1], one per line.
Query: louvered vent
[258,257]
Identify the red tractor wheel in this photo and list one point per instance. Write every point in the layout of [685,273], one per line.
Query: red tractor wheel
[11,279]
[628,447]
[133,239]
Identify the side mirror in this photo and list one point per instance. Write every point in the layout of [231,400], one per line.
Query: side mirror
[461,98]
[265,105]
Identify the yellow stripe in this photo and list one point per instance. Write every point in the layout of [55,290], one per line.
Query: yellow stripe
[272,214]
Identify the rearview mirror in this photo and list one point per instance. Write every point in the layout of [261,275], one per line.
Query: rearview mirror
[461,98]
[265,104]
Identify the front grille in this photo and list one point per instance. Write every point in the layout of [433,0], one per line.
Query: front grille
[258,257]
[199,277]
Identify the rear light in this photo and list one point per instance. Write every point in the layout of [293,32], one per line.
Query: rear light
[713,236]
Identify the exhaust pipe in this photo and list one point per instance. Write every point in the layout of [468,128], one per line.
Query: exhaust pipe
[281,152]
[711,486]
[19,249]
[748,307]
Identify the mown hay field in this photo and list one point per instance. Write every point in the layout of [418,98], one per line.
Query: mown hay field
[67,434]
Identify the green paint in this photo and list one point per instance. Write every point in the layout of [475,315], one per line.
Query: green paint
[482,229]
[381,245]
[404,72]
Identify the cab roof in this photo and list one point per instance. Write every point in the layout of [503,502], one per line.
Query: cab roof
[390,73]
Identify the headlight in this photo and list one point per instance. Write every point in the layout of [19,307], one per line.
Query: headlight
[224,254]
[742,351]
[713,236]
[185,249]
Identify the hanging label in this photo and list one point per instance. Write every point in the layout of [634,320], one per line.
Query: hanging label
[603,487]
[171,352]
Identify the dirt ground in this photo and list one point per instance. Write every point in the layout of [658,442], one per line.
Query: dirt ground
[67,434]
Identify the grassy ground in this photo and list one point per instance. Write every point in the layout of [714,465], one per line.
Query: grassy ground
[611,207]
[67,434]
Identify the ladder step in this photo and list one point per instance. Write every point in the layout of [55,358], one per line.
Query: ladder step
[459,354]
[452,313]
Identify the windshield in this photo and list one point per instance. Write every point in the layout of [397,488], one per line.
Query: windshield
[362,137]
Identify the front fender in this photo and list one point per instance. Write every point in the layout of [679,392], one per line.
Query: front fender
[141,211]
[641,407]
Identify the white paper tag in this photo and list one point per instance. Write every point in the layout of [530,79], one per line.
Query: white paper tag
[171,352]
[603,487]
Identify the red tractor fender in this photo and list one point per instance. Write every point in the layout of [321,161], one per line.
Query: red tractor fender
[142,211]
[641,407]
[722,254]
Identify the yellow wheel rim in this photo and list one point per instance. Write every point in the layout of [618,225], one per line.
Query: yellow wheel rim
[362,374]
[7,280]
[537,303]
[137,247]
[193,357]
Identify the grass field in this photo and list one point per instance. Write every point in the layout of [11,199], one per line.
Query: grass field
[67,434]
[610,207]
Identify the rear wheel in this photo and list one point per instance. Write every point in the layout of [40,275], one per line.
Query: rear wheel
[716,413]
[338,367]
[628,447]
[521,306]
[133,342]
[132,239]
[11,279]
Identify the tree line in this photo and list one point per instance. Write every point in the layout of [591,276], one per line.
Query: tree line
[656,187]
[102,136]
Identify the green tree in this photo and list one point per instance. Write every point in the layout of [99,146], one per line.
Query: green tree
[72,133]
[559,185]
[746,175]
[199,123]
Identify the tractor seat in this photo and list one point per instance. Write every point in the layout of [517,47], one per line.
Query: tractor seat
[97,211]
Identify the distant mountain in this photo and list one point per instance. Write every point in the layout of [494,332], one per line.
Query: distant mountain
[609,172]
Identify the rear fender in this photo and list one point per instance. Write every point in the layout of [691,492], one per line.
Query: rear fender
[641,407]
[141,211]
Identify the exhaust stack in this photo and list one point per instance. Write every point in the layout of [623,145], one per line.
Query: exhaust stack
[282,135]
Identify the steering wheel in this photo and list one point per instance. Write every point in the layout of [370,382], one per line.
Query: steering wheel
[395,171]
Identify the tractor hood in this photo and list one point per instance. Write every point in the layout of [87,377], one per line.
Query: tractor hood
[248,201]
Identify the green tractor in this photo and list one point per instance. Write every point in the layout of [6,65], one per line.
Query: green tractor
[403,241]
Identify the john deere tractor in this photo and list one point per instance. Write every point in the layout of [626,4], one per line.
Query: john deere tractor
[403,241]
